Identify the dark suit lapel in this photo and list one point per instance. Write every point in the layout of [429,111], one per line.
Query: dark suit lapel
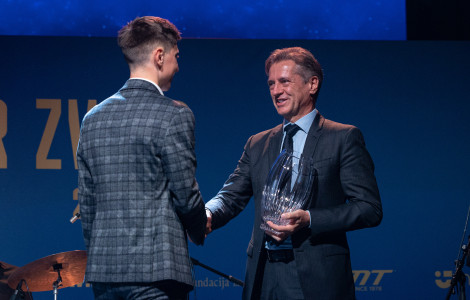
[266,158]
[274,145]
[309,150]
[313,136]
[264,163]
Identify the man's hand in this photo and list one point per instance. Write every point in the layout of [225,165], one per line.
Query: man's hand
[209,222]
[297,220]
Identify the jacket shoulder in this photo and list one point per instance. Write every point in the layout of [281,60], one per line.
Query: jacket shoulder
[264,135]
[330,125]
[180,104]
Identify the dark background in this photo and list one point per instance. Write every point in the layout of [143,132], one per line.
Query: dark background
[409,98]
[438,20]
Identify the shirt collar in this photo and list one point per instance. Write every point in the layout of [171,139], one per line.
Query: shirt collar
[156,85]
[305,122]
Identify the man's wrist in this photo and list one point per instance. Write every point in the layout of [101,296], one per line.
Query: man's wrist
[309,219]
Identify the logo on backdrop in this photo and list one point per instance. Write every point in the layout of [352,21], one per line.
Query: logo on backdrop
[220,283]
[55,108]
[369,280]
[443,279]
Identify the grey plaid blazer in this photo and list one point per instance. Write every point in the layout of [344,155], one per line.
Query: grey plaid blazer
[137,190]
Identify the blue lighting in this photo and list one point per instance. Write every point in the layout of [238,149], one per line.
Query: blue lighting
[278,19]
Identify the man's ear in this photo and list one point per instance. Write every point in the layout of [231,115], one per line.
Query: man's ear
[158,55]
[314,82]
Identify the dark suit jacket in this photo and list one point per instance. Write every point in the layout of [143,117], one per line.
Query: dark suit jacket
[345,198]
[137,190]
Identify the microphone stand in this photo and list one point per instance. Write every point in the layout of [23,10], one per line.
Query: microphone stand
[458,279]
[457,284]
[194,261]
[229,277]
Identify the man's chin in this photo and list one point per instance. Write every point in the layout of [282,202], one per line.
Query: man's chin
[283,113]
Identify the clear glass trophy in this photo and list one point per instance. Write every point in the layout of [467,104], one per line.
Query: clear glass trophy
[287,188]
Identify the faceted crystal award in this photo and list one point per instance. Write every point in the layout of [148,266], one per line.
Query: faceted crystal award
[287,188]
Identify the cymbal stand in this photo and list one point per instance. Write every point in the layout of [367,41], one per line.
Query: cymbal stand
[19,293]
[457,284]
[58,282]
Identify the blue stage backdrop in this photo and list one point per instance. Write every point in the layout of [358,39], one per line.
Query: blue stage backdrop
[280,19]
[410,99]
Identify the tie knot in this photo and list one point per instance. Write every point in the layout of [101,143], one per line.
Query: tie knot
[291,129]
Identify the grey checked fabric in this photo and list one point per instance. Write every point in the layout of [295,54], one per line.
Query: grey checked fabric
[137,190]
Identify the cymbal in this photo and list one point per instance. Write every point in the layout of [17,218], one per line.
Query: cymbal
[40,274]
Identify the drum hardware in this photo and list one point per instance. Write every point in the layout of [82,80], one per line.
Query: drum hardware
[52,272]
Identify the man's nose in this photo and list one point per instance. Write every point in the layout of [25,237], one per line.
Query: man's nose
[276,89]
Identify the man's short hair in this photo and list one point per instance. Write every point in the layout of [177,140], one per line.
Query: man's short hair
[142,35]
[307,64]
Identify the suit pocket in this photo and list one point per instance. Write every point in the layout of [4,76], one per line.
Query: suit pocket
[324,167]
[334,250]
[321,163]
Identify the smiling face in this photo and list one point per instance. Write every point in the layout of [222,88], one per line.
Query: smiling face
[292,96]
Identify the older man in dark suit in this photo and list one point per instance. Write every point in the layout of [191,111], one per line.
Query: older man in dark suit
[137,191]
[309,257]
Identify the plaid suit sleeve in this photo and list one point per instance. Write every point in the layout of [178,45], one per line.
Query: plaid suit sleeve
[86,195]
[179,165]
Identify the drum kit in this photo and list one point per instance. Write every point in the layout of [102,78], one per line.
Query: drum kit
[50,273]
[62,270]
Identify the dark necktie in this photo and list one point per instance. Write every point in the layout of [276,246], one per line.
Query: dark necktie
[290,130]
[288,145]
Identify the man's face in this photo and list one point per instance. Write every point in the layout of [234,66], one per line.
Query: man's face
[170,67]
[290,93]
